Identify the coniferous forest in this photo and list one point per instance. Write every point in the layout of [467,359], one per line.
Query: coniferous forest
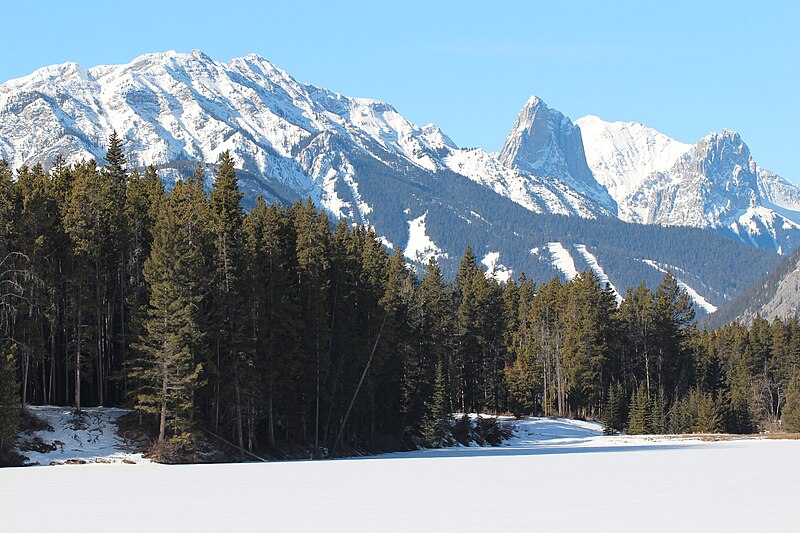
[279,328]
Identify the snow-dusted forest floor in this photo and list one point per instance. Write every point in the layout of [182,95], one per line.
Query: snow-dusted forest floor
[90,437]
[554,475]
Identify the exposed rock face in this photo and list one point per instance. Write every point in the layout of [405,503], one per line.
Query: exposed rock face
[714,184]
[544,142]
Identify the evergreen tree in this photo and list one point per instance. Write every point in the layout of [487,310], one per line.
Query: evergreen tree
[615,413]
[430,317]
[790,417]
[657,415]
[585,349]
[272,300]
[637,314]
[173,347]
[639,413]
[674,314]
[437,427]
[116,160]
[709,419]
[467,352]
[232,362]
[9,401]
[312,249]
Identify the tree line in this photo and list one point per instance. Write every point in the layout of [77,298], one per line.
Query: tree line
[279,327]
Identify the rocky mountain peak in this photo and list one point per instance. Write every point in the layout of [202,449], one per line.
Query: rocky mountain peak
[545,143]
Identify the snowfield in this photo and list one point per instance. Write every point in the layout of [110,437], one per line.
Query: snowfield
[90,438]
[554,475]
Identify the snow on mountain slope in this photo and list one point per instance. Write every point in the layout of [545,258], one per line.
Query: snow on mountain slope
[622,154]
[495,269]
[420,247]
[173,106]
[591,260]
[358,158]
[701,302]
[544,142]
[537,194]
[713,184]
[561,260]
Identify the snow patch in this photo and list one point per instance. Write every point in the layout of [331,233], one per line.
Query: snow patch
[90,437]
[562,260]
[701,302]
[597,269]
[495,269]
[420,247]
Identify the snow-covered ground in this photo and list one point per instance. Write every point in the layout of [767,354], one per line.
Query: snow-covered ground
[90,437]
[554,475]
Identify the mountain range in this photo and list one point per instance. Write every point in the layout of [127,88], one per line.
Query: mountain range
[619,198]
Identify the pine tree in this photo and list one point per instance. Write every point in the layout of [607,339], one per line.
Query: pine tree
[524,373]
[173,347]
[469,348]
[272,300]
[657,415]
[674,314]
[436,429]
[115,158]
[637,314]
[790,417]
[681,417]
[429,345]
[232,361]
[312,249]
[585,349]
[639,413]
[709,419]
[615,414]
[9,400]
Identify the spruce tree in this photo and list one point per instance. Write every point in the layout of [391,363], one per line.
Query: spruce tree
[790,417]
[312,249]
[115,158]
[657,416]
[173,347]
[437,424]
[639,413]
[272,301]
[615,414]
[585,349]
[9,400]
[232,361]
[709,419]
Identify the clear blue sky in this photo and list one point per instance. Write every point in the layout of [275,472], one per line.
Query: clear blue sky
[684,68]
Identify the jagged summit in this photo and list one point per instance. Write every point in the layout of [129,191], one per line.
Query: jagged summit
[544,142]
[713,184]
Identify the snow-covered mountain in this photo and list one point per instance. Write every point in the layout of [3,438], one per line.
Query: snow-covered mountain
[172,107]
[361,159]
[713,184]
[543,142]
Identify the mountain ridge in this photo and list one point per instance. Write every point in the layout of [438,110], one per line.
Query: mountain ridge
[359,159]
[714,183]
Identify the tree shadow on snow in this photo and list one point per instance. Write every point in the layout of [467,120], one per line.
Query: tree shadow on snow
[532,450]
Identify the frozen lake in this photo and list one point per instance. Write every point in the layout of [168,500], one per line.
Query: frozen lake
[554,476]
